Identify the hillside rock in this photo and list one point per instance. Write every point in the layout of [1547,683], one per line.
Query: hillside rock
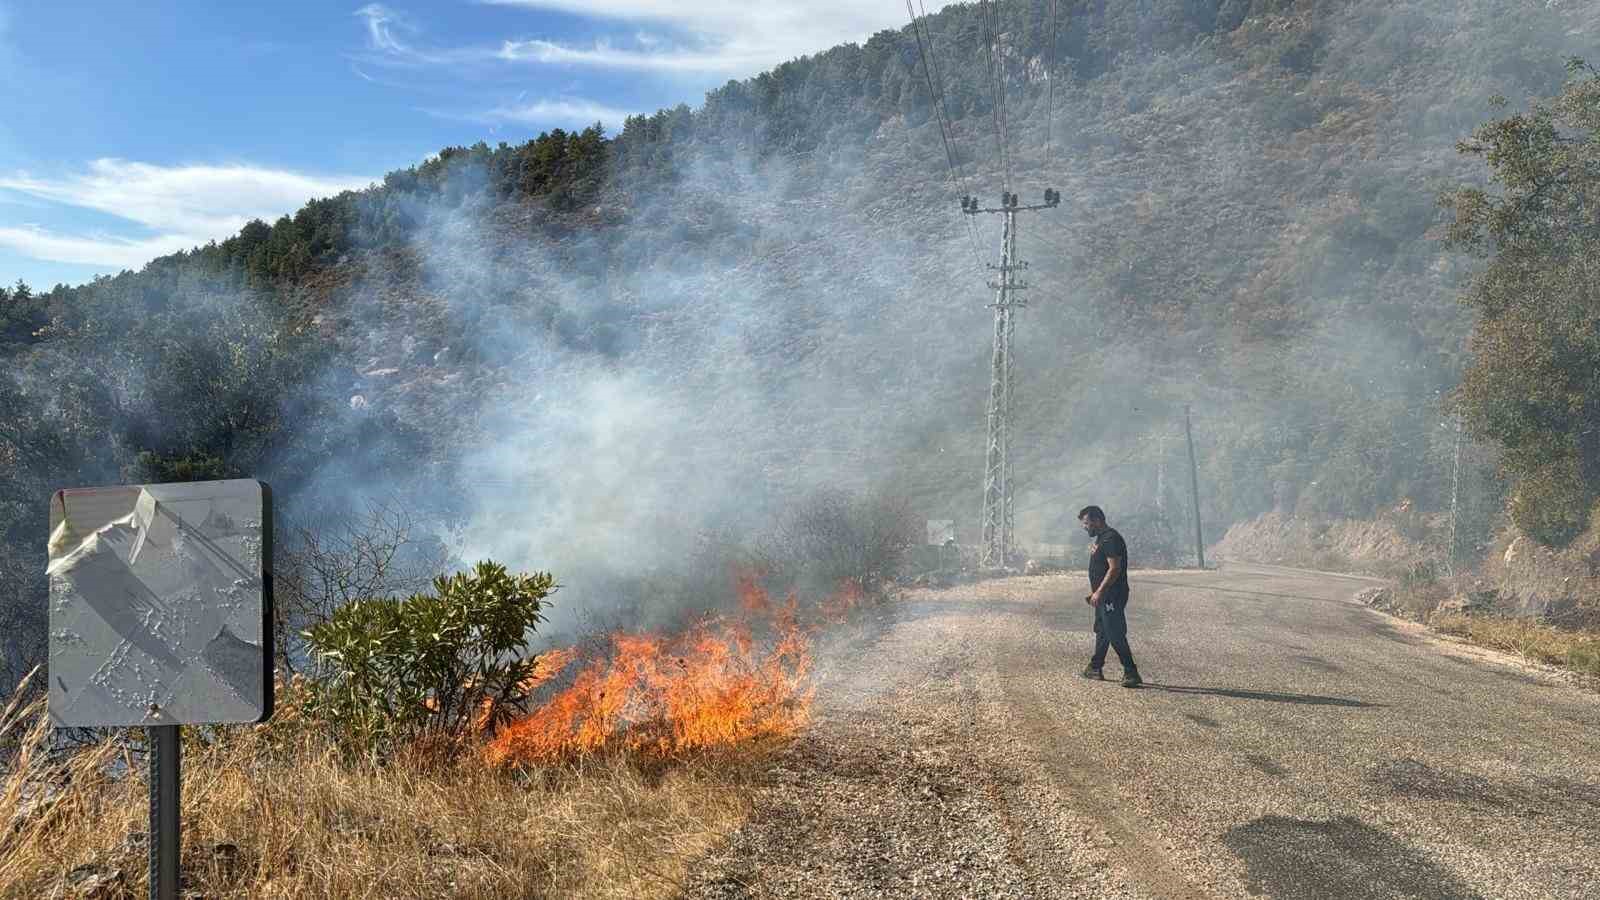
[1397,539]
[1558,585]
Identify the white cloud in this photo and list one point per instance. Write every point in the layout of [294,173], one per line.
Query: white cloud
[727,36]
[201,200]
[97,250]
[833,20]
[381,22]
[185,205]
[567,111]
[603,55]
[384,37]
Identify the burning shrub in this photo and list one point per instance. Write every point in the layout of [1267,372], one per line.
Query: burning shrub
[446,663]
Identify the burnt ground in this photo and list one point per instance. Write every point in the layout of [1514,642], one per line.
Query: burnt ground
[1288,744]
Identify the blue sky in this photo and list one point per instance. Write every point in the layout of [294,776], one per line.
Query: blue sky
[131,130]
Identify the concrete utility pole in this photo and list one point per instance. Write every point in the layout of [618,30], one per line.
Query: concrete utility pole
[1161,477]
[1455,496]
[1194,489]
[998,513]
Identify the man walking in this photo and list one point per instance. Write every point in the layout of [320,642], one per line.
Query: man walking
[1108,582]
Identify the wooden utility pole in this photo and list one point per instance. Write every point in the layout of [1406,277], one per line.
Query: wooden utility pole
[1194,489]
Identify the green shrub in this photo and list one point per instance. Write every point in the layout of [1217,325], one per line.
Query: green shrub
[1418,574]
[1585,657]
[392,670]
[1552,504]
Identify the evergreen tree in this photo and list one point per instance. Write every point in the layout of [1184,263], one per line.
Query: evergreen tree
[1533,385]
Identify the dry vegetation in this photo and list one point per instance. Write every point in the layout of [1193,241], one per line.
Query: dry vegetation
[631,764]
[274,811]
[1483,618]
[1576,649]
[1566,634]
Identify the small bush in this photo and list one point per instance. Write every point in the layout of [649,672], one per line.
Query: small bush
[1418,574]
[833,537]
[346,556]
[1585,657]
[1331,561]
[393,671]
[1552,505]
[1418,594]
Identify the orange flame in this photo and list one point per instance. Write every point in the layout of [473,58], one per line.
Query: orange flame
[714,685]
[546,666]
[844,601]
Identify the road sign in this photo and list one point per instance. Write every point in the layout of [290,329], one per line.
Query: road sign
[161,616]
[941,531]
[160,604]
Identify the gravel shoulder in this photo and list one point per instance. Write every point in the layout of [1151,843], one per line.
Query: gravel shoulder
[1289,744]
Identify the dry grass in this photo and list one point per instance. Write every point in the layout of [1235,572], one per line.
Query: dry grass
[306,823]
[1578,650]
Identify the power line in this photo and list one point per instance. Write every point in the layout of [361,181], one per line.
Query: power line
[936,92]
[944,103]
[1000,74]
[996,99]
[1050,73]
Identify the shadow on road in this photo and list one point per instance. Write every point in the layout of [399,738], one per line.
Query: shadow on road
[1302,859]
[1270,696]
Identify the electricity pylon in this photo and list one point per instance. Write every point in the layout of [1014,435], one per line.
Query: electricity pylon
[999,522]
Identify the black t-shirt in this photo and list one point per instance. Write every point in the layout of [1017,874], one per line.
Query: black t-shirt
[1109,543]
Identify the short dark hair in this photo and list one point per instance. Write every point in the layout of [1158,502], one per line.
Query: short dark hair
[1095,513]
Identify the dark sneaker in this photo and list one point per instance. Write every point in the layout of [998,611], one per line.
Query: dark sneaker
[1094,673]
[1131,679]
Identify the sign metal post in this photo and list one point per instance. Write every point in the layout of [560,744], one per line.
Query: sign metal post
[166,769]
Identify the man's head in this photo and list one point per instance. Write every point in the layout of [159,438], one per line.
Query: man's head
[1093,519]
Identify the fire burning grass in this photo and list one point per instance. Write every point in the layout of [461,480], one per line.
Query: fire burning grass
[721,683]
[278,816]
[276,811]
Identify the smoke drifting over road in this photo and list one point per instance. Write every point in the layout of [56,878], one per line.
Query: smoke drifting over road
[608,392]
[1243,230]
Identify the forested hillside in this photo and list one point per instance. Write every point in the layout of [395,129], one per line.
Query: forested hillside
[583,352]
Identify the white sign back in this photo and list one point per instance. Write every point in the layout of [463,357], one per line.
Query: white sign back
[160,604]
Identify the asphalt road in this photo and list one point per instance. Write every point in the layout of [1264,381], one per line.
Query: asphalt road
[1288,743]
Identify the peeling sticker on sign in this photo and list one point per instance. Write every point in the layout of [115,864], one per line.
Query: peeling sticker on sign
[160,604]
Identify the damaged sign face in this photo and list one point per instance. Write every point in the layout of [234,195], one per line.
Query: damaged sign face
[160,604]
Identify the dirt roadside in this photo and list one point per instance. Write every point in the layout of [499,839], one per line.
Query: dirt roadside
[1291,744]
